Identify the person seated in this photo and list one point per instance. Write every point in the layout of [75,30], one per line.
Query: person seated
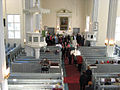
[47,50]
[107,81]
[117,82]
[96,62]
[57,51]
[118,62]
[89,86]
[108,62]
[45,62]
[57,87]
[102,62]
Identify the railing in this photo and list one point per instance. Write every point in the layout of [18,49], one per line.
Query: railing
[12,54]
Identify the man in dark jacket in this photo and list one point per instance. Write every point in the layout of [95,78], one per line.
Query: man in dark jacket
[83,81]
[89,74]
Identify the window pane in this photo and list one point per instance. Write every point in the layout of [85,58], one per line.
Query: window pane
[118,20]
[16,18]
[17,26]
[14,26]
[117,28]
[10,34]
[10,26]
[117,36]
[17,34]
[10,18]
[87,23]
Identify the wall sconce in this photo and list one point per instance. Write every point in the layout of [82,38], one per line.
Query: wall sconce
[7,73]
[106,42]
[24,41]
[57,28]
[37,31]
[69,27]
[111,42]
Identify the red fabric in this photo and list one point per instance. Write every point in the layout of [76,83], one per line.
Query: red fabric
[72,79]
[107,61]
[74,86]
[68,45]
[79,59]
[50,37]
[72,76]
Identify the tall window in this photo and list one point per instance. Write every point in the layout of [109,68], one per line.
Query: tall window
[13,26]
[117,31]
[87,23]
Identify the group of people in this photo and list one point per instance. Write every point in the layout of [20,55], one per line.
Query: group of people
[59,39]
[106,62]
[86,80]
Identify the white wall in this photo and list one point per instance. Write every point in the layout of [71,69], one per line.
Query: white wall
[77,7]
[88,7]
[88,10]
[14,7]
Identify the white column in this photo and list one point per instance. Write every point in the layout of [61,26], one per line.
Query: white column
[37,53]
[38,20]
[28,16]
[94,28]
[95,15]
[2,51]
[111,25]
[38,17]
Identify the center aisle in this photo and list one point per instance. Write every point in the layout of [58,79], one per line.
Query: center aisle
[72,76]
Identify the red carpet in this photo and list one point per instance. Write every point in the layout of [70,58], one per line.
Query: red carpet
[72,76]
[74,86]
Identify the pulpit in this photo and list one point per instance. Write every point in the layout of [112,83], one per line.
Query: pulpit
[34,41]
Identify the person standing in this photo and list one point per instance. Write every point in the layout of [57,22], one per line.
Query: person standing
[83,81]
[89,74]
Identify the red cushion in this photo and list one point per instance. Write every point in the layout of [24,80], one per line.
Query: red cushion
[54,64]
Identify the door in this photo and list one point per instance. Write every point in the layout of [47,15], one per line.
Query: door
[76,30]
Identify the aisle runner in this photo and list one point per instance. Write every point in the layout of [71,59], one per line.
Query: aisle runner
[72,76]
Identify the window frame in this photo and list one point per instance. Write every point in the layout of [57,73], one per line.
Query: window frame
[14,30]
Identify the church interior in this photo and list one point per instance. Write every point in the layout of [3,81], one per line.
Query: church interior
[59,44]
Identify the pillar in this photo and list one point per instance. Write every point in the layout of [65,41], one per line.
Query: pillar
[95,12]
[94,28]
[3,82]
[111,26]
[37,53]
[38,17]
[28,16]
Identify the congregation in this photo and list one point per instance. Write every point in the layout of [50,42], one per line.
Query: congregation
[62,39]
[66,42]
